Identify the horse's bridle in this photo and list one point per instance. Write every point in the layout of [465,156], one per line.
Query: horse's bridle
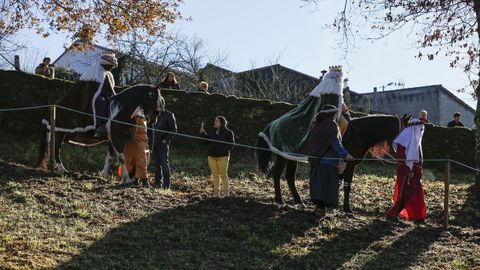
[400,124]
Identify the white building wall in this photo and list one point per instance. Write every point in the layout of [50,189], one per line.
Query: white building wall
[449,106]
[410,101]
[79,61]
[440,105]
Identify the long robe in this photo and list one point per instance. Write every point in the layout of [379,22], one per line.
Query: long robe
[136,150]
[409,197]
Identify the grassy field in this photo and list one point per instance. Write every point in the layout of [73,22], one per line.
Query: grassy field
[80,221]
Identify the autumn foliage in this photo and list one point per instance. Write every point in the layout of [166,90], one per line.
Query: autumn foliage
[88,19]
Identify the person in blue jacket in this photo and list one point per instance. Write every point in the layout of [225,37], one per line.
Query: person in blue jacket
[325,150]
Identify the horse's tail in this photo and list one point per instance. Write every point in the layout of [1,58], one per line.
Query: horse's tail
[43,147]
[264,157]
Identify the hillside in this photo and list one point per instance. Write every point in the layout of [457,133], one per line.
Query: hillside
[80,221]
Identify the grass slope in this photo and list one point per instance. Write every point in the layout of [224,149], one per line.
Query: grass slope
[81,221]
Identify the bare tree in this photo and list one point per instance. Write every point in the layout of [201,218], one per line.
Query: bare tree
[276,83]
[149,59]
[8,49]
[272,81]
[195,55]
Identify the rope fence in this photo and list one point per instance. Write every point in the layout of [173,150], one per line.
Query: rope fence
[53,108]
[253,147]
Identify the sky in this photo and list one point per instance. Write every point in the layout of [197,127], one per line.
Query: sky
[255,32]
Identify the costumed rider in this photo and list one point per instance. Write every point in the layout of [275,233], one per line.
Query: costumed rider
[409,201]
[101,72]
[288,136]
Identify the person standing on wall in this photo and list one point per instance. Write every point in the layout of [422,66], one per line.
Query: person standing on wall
[170,82]
[424,116]
[219,154]
[203,87]
[164,127]
[456,120]
[45,68]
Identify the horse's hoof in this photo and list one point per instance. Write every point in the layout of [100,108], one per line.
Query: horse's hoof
[279,202]
[105,175]
[300,205]
[348,212]
[127,180]
[61,169]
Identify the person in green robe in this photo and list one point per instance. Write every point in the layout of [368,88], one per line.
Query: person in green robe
[288,136]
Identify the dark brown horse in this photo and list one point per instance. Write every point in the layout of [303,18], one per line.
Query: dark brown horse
[76,125]
[363,133]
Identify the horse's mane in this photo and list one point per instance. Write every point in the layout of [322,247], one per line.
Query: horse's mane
[373,116]
[375,126]
[132,96]
[372,120]
[130,90]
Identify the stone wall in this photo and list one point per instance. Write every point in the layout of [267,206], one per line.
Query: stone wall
[247,116]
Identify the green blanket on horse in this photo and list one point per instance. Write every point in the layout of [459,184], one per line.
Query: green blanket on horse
[288,135]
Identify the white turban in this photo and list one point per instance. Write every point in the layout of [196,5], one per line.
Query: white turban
[109,58]
[411,139]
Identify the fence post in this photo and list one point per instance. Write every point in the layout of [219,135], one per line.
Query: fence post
[53,116]
[16,62]
[446,195]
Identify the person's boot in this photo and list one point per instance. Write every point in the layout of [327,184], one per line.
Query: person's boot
[135,181]
[145,183]
[320,212]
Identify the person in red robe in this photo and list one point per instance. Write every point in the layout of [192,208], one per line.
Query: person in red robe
[409,201]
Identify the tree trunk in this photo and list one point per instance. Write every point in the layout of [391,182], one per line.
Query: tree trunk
[476,8]
[477,136]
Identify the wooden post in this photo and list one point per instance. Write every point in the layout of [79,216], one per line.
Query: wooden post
[446,194]
[16,62]
[53,116]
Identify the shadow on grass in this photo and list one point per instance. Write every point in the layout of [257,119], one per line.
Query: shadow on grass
[469,214]
[405,250]
[19,172]
[210,234]
[333,253]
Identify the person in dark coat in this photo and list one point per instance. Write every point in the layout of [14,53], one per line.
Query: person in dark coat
[170,82]
[161,145]
[325,145]
[203,87]
[45,68]
[456,120]
[219,154]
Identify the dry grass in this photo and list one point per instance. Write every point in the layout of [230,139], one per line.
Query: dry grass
[81,221]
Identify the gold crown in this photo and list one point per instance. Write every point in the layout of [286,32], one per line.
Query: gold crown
[336,68]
